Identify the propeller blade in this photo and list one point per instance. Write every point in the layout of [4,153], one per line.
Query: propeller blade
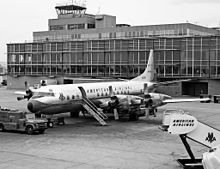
[147,112]
[26,85]
[145,89]
[110,91]
[116,114]
[20,98]
[26,95]
[129,100]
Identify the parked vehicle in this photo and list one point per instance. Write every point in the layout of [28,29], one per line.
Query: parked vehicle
[4,83]
[21,121]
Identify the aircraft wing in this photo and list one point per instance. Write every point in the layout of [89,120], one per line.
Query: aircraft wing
[21,92]
[185,100]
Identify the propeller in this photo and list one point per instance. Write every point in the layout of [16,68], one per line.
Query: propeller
[148,101]
[113,103]
[122,102]
[27,94]
[129,102]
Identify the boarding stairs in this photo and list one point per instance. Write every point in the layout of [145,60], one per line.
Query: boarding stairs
[92,109]
[187,126]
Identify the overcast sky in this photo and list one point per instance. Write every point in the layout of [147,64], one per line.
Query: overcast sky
[19,18]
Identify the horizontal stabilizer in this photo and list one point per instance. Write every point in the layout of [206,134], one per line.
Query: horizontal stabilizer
[172,82]
[186,100]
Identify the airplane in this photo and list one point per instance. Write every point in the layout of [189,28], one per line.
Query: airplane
[120,97]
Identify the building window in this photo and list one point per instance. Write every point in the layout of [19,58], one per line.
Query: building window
[76,26]
[90,26]
[57,27]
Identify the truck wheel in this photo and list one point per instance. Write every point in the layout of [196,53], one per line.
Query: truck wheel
[133,117]
[74,114]
[50,124]
[29,130]
[41,131]
[38,115]
[2,128]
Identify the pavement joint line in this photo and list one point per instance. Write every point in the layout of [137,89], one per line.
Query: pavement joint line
[5,162]
[34,156]
[87,163]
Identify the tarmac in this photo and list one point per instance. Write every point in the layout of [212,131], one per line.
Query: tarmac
[83,144]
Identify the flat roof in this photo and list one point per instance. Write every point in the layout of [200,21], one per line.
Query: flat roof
[70,7]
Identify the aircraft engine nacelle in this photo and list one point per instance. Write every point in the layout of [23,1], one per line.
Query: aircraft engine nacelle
[123,102]
[154,103]
[159,96]
[154,100]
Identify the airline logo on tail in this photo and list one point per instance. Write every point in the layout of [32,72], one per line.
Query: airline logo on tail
[148,74]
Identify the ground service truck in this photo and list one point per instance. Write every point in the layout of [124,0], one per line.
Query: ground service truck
[16,120]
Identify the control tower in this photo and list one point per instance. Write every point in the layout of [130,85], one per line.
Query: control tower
[74,17]
[71,17]
[70,10]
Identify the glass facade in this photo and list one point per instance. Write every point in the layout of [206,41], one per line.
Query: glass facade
[196,56]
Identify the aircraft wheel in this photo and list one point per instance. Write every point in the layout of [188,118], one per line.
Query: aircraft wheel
[38,115]
[41,131]
[74,114]
[2,128]
[151,111]
[29,130]
[133,117]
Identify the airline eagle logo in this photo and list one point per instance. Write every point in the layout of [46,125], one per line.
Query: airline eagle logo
[210,138]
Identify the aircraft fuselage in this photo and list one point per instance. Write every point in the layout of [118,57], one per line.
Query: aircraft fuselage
[55,99]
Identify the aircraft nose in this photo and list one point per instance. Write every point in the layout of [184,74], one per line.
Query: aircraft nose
[30,106]
[35,106]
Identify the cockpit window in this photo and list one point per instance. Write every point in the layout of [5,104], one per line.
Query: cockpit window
[42,94]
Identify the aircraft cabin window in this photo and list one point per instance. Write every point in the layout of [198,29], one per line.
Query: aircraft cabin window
[68,97]
[73,97]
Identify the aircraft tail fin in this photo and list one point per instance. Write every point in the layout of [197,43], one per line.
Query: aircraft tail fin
[149,73]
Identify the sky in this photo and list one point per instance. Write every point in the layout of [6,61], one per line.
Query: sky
[20,18]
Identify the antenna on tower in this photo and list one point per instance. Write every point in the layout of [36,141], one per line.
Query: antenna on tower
[84,3]
[99,10]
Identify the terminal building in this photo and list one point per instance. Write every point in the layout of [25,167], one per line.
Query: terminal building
[78,45]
